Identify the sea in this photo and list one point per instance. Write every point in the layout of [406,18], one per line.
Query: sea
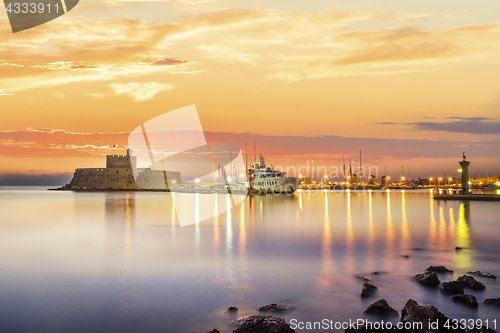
[121,262]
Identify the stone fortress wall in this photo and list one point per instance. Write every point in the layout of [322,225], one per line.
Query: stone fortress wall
[118,175]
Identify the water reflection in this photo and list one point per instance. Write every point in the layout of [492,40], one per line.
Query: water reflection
[327,240]
[173,218]
[389,243]
[349,235]
[405,231]
[462,240]
[451,229]
[120,209]
[433,225]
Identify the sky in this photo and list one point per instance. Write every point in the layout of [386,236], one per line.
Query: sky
[410,83]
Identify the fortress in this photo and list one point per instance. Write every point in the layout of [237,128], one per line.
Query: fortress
[119,175]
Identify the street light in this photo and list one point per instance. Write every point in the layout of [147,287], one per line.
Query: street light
[439,181]
[430,179]
[449,181]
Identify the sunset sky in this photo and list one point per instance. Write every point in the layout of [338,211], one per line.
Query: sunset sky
[410,83]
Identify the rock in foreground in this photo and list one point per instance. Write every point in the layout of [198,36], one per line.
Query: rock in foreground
[492,301]
[453,287]
[276,307]
[439,269]
[368,290]
[425,314]
[428,279]
[381,308]
[483,274]
[214,331]
[471,282]
[262,324]
[469,300]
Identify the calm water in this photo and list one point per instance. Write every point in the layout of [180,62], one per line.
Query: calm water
[119,262]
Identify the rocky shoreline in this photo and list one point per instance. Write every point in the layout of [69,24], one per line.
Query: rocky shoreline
[420,317]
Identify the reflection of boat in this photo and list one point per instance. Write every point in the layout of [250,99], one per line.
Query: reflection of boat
[265,178]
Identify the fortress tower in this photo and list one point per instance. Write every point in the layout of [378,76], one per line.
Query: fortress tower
[122,161]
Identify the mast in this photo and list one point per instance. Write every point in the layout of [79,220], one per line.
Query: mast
[343,163]
[254,153]
[359,173]
[350,170]
[246,158]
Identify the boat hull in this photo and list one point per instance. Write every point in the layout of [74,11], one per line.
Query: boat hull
[277,185]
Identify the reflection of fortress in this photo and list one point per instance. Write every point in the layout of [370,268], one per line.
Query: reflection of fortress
[119,175]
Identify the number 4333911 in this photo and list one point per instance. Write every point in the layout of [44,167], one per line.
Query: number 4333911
[32,8]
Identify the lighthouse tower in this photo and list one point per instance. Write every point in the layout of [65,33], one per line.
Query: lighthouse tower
[464,164]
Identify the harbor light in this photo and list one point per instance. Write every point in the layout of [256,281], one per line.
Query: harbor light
[326,176]
[459,170]
[242,175]
[197,180]
[402,178]
[388,177]
[300,176]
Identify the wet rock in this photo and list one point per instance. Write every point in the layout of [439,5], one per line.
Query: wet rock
[214,331]
[452,287]
[458,248]
[428,279]
[406,256]
[376,273]
[425,314]
[276,307]
[492,302]
[483,274]
[261,324]
[362,278]
[368,290]
[381,308]
[439,269]
[471,282]
[483,329]
[469,300]
[232,309]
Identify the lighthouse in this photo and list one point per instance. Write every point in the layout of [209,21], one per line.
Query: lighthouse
[464,169]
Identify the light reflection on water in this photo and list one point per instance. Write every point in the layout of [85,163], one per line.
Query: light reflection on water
[106,262]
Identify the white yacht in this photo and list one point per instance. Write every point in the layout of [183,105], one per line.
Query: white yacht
[267,179]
